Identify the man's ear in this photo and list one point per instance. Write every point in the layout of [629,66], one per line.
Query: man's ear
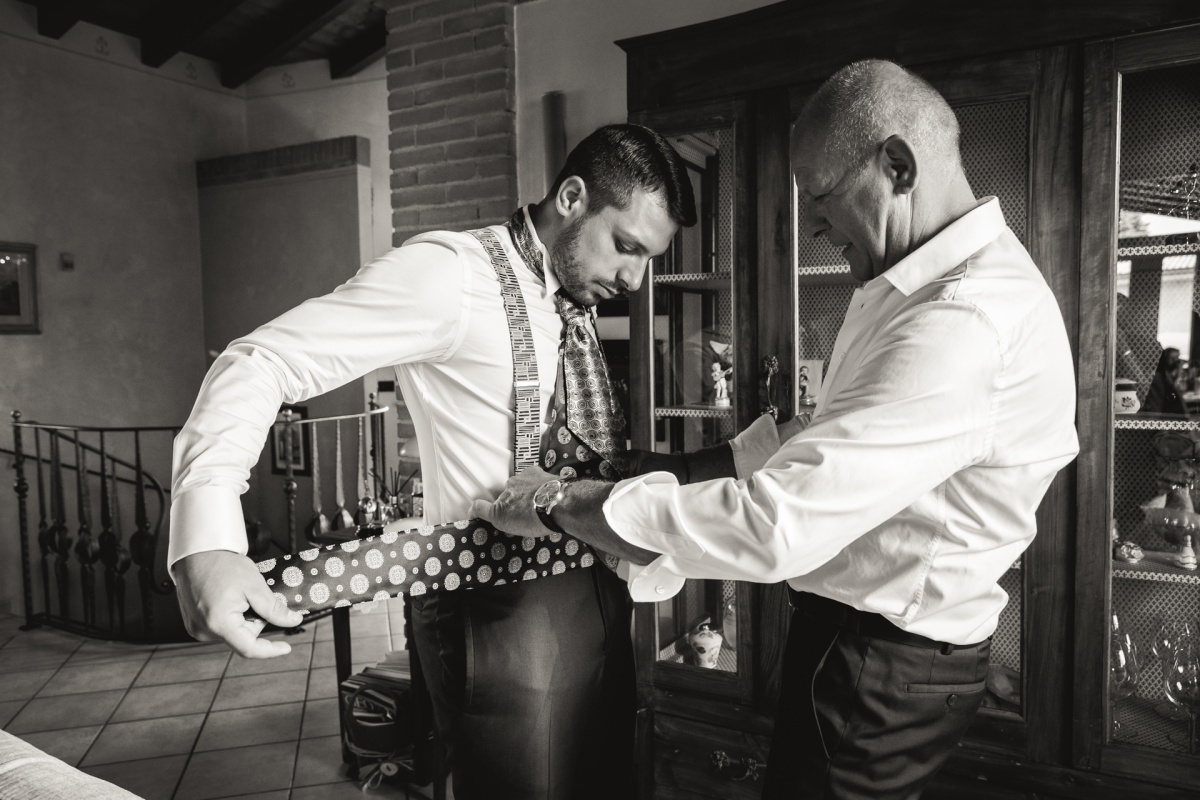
[901,164]
[572,198]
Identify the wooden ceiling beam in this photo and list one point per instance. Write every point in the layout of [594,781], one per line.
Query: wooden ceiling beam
[279,33]
[56,17]
[360,52]
[173,26]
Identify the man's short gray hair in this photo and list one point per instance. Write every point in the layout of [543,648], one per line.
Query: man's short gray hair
[864,103]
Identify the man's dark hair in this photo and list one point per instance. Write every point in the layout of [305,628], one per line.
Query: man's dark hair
[616,159]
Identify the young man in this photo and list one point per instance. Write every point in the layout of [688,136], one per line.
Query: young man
[532,681]
[948,408]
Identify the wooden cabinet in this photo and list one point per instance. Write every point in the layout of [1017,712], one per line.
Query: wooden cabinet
[1040,108]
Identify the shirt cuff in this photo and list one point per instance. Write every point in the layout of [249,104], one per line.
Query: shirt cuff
[652,582]
[205,518]
[753,447]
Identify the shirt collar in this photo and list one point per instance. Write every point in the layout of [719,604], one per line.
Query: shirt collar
[957,242]
[552,284]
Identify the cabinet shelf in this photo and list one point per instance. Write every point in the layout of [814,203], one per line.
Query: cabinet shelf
[697,281]
[1154,422]
[696,411]
[828,274]
[1156,566]
[1158,250]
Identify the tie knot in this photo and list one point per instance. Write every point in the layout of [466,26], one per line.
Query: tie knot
[568,309]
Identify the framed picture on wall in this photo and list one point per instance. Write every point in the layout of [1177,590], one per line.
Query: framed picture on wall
[18,288]
[301,449]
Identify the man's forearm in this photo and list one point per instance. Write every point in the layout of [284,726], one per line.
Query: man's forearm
[581,514]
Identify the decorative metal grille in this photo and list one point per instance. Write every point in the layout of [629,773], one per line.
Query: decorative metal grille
[1006,641]
[995,154]
[1160,136]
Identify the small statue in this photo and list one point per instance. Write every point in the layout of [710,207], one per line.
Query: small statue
[1186,558]
[706,645]
[1129,552]
[720,384]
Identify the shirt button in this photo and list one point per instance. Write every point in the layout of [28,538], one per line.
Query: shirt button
[660,590]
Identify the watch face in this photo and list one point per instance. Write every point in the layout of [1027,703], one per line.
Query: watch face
[545,493]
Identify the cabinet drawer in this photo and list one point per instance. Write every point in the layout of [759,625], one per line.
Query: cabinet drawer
[684,754]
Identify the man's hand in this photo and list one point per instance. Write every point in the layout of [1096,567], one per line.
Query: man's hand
[216,588]
[512,511]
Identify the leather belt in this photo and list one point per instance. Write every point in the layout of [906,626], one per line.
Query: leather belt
[866,623]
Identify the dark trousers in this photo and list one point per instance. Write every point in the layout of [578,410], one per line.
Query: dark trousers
[866,710]
[532,686]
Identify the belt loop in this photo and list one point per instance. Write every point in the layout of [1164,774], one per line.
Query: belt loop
[947,649]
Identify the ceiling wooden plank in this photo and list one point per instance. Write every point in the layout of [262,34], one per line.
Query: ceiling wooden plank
[360,52]
[56,17]
[173,26]
[279,33]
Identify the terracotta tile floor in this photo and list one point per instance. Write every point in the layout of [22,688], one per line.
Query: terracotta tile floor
[191,721]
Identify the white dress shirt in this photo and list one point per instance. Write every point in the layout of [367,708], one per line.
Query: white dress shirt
[433,310]
[948,407]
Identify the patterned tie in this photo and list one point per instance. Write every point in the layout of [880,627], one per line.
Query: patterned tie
[593,411]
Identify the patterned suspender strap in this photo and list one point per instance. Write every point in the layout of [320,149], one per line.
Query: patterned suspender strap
[527,404]
[451,556]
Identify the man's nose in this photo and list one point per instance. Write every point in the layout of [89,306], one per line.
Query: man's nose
[814,220]
[631,277]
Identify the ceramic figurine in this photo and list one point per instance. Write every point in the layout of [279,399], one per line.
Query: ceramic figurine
[1129,552]
[1187,555]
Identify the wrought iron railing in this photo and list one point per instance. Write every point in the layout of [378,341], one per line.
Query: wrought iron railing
[67,560]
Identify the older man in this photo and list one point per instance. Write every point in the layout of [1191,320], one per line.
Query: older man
[947,410]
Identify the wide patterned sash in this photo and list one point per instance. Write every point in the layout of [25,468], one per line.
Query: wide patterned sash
[466,553]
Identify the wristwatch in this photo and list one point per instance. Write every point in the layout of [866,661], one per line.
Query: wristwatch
[547,496]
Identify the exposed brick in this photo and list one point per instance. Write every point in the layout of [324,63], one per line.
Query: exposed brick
[402,98]
[497,165]
[496,123]
[445,91]
[398,16]
[418,196]
[399,139]
[497,210]
[398,59]
[481,189]
[491,81]
[453,132]
[439,8]
[415,34]
[491,146]
[447,173]
[446,48]
[473,64]
[403,178]
[404,218]
[479,104]
[493,37]
[415,76]
[448,215]
[400,235]
[418,156]
[421,115]
[486,18]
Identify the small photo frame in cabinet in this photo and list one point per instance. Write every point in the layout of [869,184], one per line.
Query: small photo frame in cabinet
[18,288]
[808,381]
[301,451]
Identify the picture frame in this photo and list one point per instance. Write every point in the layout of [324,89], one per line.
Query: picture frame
[18,288]
[809,374]
[301,455]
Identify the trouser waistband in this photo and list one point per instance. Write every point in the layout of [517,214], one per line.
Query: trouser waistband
[865,623]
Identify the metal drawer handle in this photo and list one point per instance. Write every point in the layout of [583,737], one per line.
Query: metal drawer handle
[739,770]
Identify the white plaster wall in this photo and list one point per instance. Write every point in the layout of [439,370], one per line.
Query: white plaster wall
[567,46]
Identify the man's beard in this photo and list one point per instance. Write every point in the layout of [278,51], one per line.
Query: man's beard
[564,259]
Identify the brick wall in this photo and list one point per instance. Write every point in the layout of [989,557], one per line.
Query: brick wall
[451,100]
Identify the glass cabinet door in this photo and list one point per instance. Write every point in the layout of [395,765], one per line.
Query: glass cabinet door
[684,332]
[1153,648]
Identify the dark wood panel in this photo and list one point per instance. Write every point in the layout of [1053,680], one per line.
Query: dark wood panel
[278,34]
[1157,50]
[1054,245]
[360,52]
[788,43]
[682,758]
[1094,400]
[775,302]
[1047,782]
[170,27]
[770,638]
[722,714]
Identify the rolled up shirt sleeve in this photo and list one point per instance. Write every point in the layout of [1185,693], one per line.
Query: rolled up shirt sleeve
[919,409]
[402,307]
